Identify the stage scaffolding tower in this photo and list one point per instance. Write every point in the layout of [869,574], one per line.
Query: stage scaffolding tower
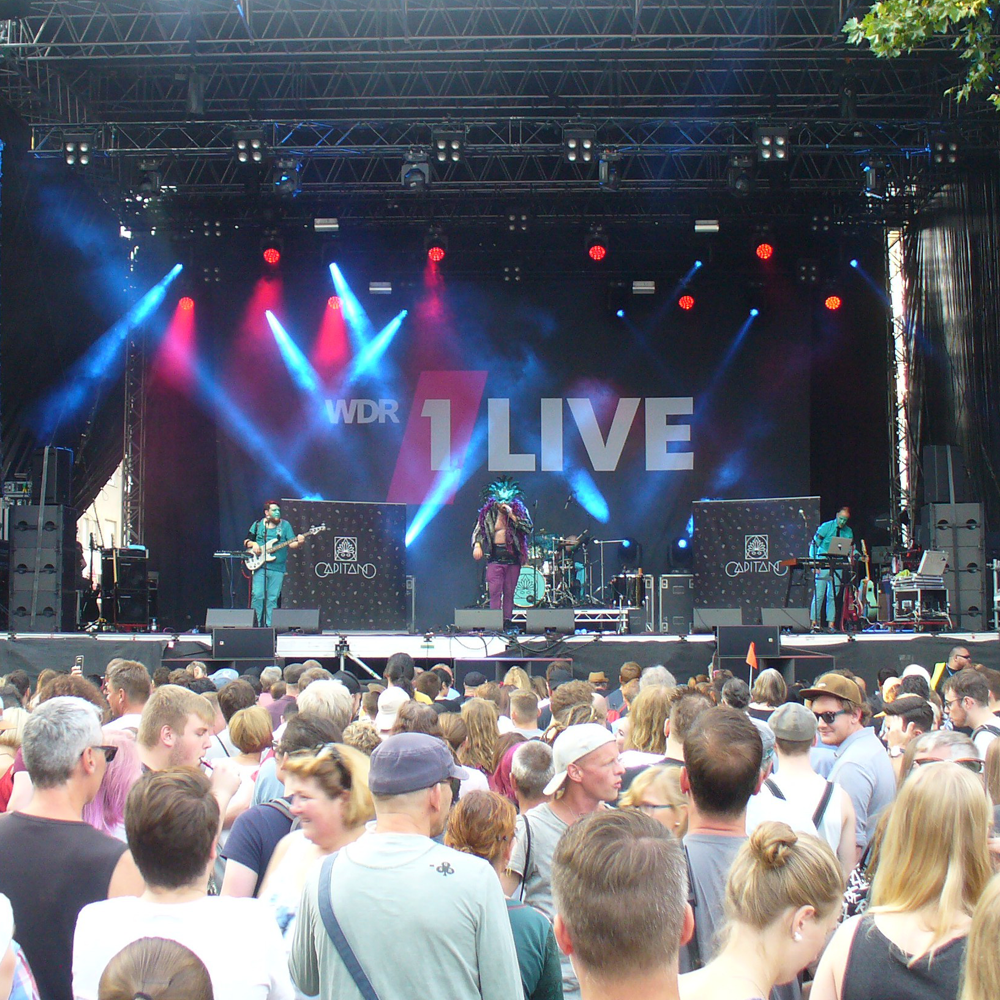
[134,439]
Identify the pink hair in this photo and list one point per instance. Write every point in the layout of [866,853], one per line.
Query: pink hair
[500,779]
[107,812]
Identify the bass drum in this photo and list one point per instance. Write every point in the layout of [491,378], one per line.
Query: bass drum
[530,589]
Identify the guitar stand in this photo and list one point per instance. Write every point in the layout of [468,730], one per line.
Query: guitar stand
[343,652]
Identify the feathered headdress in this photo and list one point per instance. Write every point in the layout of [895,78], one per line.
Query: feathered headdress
[503,489]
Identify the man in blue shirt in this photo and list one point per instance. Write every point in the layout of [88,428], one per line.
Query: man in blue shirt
[828,582]
[270,530]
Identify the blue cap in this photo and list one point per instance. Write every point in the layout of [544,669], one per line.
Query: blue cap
[408,762]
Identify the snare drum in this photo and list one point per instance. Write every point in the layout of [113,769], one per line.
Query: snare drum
[530,588]
[628,590]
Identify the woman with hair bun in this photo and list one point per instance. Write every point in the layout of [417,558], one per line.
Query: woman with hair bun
[783,900]
[933,866]
[156,969]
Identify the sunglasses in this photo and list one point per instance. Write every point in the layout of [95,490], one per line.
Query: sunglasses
[456,787]
[829,717]
[973,764]
[109,752]
[319,752]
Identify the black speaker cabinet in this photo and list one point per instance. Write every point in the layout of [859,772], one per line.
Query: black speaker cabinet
[58,466]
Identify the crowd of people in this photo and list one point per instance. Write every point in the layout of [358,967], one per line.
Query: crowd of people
[303,834]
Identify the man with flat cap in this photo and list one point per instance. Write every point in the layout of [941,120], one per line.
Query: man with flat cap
[397,912]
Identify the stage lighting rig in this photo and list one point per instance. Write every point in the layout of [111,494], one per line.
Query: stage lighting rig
[609,170]
[597,244]
[448,146]
[772,143]
[436,245]
[807,272]
[579,145]
[875,182]
[149,180]
[518,220]
[285,176]
[271,248]
[249,147]
[415,174]
[943,151]
[739,175]
[77,148]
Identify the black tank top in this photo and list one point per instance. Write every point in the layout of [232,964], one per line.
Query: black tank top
[879,970]
[50,870]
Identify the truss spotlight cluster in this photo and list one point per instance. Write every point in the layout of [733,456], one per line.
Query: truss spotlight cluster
[149,180]
[597,244]
[807,272]
[772,143]
[77,149]
[609,170]
[249,147]
[415,174]
[449,147]
[739,175]
[517,222]
[512,272]
[285,177]
[579,145]
[944,151]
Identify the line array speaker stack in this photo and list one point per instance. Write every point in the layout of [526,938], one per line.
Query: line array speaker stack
[43,564]
[676,603]
[957,528]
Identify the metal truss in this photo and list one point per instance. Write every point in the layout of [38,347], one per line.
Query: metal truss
[134,440]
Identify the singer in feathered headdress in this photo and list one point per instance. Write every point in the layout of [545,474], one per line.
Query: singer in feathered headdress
[501,534]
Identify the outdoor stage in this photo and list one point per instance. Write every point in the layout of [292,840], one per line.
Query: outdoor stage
[803,657]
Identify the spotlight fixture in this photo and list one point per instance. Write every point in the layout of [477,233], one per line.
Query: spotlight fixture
[148,181]
[380,288]
[832,302]
[874,174]
[739,175]
[943,151]
[333,302]
[579,145]
[512,272]
[186,304]
[597,244]
[821,222]
[270,249]
[285,176]
[272,255]
[326,225]
[772,143]
[609,170]
[706,225]
[448,146]
[436,245]
[518,220]
[415,174]
[681,554]
[686,302]
[249,147]
[764,250]
[77,148]
[807,272]
[643,287]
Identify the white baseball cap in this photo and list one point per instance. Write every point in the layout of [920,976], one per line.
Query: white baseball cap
[571,745]
[390,701]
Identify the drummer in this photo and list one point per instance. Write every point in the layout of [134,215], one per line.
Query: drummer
[501,534]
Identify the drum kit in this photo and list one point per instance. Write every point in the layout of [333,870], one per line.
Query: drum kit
[560,573]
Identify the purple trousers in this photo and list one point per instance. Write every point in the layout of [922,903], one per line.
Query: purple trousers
[502,579]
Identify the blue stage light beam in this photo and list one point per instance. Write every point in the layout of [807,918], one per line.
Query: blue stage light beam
[100,364]
[683,283]
[446,482]
[368,359]
[302,372]
[358,324]
[588,496]
[873,284]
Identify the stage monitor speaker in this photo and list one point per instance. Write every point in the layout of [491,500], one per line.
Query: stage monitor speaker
[735,640]
[228,618]
[542,620]
[58,478]
[709,619]
[242,643]
[796,619]
[676,603]
[945,479]
[479,619]
[295,619]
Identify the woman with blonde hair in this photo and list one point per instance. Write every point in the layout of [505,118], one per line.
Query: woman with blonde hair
[657,792]
[981,980]
[649,713]
[933,866]
[479,749]
[156,969]
[329,796]
[483,824]
[768,693]
[10,736]
[782,902]
[517,677]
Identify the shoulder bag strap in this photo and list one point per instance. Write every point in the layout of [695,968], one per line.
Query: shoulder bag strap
[772,787]
[527,857]
[823,803]
[694,950]
[336,934]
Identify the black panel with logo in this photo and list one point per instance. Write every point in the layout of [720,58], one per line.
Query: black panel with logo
[738,548]
[354,570]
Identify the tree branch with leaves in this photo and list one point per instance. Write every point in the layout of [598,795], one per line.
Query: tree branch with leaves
[896,27]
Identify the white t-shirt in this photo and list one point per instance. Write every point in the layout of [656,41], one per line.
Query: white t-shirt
[129,721]
[984,737]
[237,939]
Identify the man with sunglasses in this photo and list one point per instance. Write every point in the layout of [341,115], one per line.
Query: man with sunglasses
[861,764]
[410,917]
[54,864]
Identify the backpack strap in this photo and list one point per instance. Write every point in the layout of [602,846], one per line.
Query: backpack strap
[333,929]
[694,949]
[985,729]
[281,805]
[823,803]
[527,857]
[772,787]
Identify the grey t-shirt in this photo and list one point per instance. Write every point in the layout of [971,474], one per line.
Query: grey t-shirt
[710,856]
[534,864]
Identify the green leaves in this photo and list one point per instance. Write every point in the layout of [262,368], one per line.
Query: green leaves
[893,28]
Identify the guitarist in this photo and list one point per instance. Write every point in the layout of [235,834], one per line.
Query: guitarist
[265,588]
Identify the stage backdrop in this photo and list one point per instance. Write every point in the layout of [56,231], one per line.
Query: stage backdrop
[738,545]
[354,570]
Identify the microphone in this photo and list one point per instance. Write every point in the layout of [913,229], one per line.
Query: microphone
[569,500]
[802,514]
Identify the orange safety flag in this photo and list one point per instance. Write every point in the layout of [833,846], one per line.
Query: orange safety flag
[752,656]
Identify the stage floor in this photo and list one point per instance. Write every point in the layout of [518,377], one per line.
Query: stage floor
[804,655]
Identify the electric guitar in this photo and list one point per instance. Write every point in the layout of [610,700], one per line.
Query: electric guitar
[254,562]
[869,597]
